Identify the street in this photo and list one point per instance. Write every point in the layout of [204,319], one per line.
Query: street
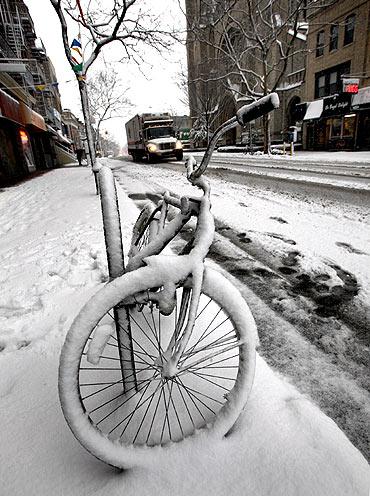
[304,168]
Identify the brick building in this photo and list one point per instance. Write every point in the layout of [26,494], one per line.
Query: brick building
[339,50]
[73,128]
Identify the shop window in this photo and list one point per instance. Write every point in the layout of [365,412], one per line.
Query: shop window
[349,122]
[336,128]
[334,32]
[349,29]
[320,40]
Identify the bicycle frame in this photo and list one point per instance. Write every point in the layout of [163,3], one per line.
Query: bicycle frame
[184,266]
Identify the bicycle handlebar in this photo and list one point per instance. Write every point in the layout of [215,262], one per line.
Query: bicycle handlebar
[257,109]
[244,115]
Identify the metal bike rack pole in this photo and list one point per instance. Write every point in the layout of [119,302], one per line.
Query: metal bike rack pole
[116,267]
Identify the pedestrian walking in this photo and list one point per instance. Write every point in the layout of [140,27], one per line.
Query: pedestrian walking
[80,154]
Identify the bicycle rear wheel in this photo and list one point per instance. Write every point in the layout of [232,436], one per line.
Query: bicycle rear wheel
[206,397]
[145,229]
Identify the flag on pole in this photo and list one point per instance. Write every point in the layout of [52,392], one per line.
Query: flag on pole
[76,55]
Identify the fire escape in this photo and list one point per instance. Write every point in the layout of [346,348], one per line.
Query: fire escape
[18,37]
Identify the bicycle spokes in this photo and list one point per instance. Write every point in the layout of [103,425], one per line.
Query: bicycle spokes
[163,407]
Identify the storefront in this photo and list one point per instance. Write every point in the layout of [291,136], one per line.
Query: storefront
[23,140]
[35,148]
[314,131]
[13,165]
[339,122]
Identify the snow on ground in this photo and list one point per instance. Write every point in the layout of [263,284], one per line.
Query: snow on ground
[318,157]
[52,260]
[338,169]
[299,252]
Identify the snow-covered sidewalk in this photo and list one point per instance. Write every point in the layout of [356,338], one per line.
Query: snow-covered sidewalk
[52,259]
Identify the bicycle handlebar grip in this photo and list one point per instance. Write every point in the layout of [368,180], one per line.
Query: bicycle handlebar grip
[257,109]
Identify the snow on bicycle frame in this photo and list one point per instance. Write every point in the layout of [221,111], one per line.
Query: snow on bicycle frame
[186,269]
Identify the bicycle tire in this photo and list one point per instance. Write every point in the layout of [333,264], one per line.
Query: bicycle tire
[85,428]
[111,222]
[145,229]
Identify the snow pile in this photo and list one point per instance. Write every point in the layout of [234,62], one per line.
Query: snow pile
[53,259]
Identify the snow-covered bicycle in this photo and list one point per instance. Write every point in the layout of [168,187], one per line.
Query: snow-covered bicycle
[165,350]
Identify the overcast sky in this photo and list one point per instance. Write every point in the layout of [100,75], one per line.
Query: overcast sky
[154,90]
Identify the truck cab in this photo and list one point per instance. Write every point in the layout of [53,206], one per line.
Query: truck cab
[152,136]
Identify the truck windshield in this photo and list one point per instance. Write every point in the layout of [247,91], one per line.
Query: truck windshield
[159,132]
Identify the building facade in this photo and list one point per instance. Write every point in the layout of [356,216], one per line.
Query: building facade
[30,107]
[337,86]
[325,89]
[73,128]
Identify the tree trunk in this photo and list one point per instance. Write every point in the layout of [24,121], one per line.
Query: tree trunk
[266,133]
[87,118]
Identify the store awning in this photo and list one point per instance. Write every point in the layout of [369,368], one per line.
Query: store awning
[9,108]
[58,136]
[32,118]
[64,139]
[362,98]
[314,110]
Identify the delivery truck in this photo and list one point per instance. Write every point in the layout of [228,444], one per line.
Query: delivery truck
[152,136]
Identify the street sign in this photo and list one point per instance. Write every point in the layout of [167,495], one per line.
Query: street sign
[350,85]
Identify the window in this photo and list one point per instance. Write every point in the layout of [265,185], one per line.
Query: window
[334,31]
[336,128]
[321,86]
[349,125]
[333,83]
[349,29]
[320,39]
[329,81]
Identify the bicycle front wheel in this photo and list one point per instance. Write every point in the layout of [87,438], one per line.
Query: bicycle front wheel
[206,395]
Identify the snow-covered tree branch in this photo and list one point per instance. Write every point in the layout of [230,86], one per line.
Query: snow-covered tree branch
[107,98]
[134,24]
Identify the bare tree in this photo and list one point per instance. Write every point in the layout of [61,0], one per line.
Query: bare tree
[208,109]
[108,144]
[107,98]
[255,42]
[129,22]
[202,96]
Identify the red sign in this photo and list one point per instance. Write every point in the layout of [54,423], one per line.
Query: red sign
[350,85]
[351,88]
